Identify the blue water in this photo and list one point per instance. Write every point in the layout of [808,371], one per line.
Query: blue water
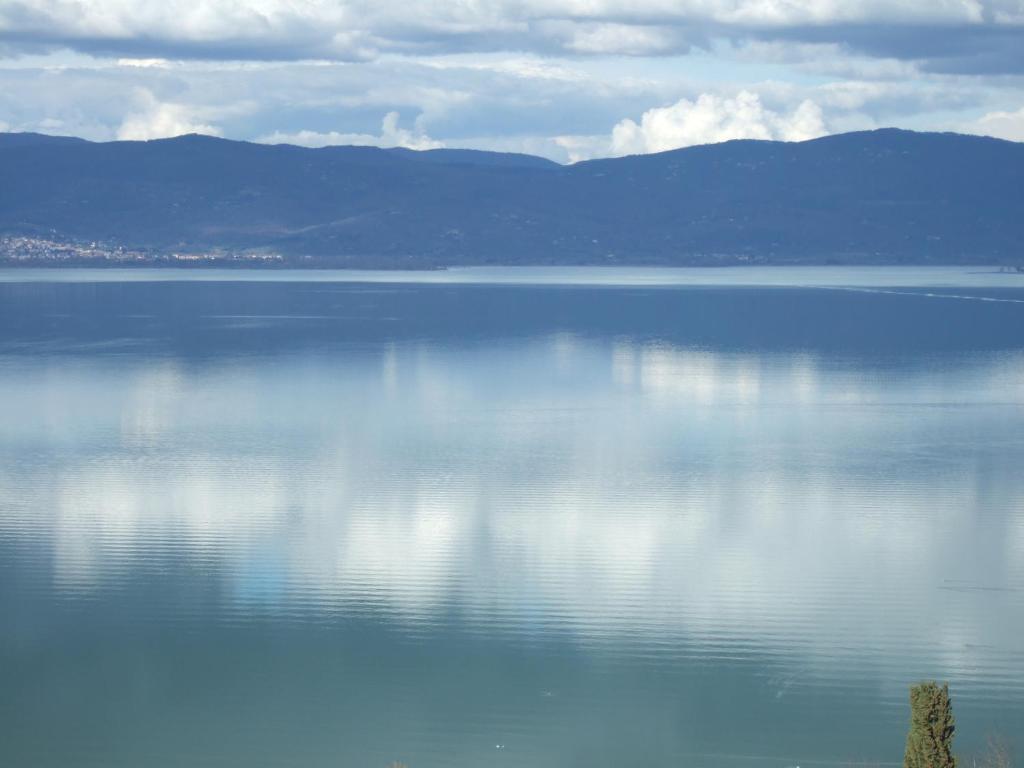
[520,518]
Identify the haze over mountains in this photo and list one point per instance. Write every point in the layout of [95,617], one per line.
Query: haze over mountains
[886,196]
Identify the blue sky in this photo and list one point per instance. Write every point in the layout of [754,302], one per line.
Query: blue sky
[568,79]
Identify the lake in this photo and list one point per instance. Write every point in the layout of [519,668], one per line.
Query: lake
[525,517]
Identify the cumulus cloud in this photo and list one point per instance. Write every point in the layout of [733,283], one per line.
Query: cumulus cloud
[1002,125]
[161,120]
[712,118]
[391,135]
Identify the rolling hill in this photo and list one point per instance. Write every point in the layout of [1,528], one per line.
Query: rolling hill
[886,196]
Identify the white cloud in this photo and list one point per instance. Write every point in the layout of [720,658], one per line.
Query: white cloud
[614,38]
[529,67]
[391,135]
[712,118]
[161,120]
[144,63]
[1002,125]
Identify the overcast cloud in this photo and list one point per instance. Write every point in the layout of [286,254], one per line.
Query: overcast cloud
[569,79]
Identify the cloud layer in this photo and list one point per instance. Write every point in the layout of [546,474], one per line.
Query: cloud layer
[569,79]
[958,34]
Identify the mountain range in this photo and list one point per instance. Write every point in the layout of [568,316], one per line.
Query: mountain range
[884,196]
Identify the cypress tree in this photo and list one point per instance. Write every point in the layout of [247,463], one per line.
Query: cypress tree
[930,741]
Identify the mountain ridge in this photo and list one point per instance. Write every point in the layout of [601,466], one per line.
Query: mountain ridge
[884,196]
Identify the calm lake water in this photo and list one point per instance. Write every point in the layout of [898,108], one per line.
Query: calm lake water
[520,518]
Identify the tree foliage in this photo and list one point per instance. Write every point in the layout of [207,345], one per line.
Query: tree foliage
[930,740]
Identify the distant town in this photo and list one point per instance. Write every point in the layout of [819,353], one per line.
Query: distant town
[40,251]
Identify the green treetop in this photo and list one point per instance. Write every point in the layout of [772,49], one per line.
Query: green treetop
[930,741]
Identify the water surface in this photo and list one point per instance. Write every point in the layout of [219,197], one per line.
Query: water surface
[597,521]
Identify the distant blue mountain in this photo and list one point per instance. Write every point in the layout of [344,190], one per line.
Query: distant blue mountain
[886,196]
[475,157]
[8,140]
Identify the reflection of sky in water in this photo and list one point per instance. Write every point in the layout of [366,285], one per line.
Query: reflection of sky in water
[814,509]
[833,523]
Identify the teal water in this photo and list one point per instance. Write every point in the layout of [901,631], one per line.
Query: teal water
[609,519]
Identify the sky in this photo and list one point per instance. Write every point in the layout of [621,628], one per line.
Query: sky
[566,79]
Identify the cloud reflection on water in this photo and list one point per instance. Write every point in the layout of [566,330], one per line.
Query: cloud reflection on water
[850,519]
